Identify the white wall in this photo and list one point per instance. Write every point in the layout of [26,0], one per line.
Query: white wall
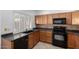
[6,21]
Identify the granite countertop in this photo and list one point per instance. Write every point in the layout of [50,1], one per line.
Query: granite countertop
[14,36]
[19,35]
[74,31]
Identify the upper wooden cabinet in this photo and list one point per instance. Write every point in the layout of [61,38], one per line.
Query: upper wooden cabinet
[50,19]
[75,18]
[44,19]
[38,19]
[69,18]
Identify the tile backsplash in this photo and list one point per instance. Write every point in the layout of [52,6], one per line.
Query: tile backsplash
[70,27]
[73,27]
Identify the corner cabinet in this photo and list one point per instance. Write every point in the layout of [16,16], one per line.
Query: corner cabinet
[46,36]
[75,18]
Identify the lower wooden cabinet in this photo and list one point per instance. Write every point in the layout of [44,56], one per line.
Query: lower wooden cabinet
[6,44]
[33,39]
[30,41]
[46,36]
[36,37]
[77,41]
[73,40]
[19,43]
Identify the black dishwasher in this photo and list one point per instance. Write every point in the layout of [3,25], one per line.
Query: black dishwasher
[21,43]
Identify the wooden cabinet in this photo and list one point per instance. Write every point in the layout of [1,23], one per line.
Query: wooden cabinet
[75,18]
[6,44]
[69,18]
[36,37]
[42,19]
[55,15]
[43,36]
[77,41]
[49,36]
[33,39]
[46,36]
[38,19]
[19,43]
[50,19]
[64,15]
[59,15]
[71,40]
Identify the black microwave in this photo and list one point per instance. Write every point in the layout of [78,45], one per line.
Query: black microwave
[59,21]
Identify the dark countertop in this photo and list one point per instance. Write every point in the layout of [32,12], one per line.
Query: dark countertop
[74,31]
[18,35]
[13,36]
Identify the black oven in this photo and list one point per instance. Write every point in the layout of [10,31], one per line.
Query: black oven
[60,36]
[59,21]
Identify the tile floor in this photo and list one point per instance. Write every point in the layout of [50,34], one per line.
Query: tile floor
[42,45]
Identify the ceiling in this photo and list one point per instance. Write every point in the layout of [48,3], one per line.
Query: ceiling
[41,12]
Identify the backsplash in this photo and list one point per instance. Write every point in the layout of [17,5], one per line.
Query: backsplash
[73,27]
[70,27]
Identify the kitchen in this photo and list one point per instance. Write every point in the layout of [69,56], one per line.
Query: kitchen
[37,29]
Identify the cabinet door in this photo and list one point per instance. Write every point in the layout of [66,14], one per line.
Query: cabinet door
[62,15]
[31,41]
[36,37]
[43,36]
[38,19]
[49,36]
[77,41]
[6,44]
[69,18]
[46,36]
[55,15]
[71,40]
[75,18]
[50,19]
[44,19]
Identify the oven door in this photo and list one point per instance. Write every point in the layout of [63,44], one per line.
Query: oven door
[60,40]
[59,37]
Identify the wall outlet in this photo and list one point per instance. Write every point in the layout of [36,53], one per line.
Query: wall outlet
[5,29]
